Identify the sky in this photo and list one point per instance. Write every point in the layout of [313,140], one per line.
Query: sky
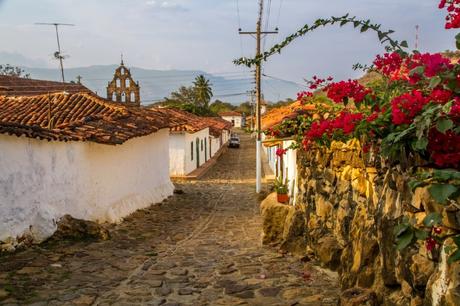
[203,34]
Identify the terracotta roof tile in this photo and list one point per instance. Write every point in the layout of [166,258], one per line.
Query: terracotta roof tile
[76,117]
[217,125]
[15,86]
[183,121]
[228,114]
[278,115]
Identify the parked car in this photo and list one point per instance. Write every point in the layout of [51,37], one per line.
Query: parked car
[234,141]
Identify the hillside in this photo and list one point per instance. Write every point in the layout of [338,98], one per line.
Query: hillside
[157,84]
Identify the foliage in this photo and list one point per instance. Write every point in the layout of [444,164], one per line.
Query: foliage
[363,25]
[13,71]
[203,91]
[219,106]
[194,99]
[410,110]
[244,107]
[280,185]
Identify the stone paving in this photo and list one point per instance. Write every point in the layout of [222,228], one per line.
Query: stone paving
[200,247]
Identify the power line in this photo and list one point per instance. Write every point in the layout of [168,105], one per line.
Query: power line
[280,79]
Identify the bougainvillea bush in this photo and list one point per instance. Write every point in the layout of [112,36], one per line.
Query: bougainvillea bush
[409,114]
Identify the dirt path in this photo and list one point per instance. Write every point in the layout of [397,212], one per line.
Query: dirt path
[202,247]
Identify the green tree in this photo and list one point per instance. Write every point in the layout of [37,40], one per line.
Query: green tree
[219,106]
[13,71]
[182,96]
[244,107]
[203,91]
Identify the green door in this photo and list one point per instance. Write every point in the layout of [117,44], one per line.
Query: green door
[197,152]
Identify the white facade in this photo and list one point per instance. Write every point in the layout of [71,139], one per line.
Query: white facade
[237,121]
[41,181]
[218,142]
[289,166]
[188,151]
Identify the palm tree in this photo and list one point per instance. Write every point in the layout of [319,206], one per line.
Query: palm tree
[203,90]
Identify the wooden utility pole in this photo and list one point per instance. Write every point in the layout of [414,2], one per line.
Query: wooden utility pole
[258,37]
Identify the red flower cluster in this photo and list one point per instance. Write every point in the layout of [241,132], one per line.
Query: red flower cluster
[342,90]
[430,244]
[453,18]
[344,122]
[272,132]
[405,107]
[394,66]
[372,117]
[315,84]
[280,152]
[389,65]
[304,94]
[433,63]
[440,96]
[444,148]
[455,110]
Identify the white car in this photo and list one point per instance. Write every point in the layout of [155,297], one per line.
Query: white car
[234,141]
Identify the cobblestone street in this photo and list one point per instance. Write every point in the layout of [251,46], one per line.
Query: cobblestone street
[200,247]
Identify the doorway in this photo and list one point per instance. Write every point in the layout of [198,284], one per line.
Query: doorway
[197,152]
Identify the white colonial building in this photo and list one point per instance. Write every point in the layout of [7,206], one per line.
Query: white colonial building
[234,117]
[194,141]
[78,154]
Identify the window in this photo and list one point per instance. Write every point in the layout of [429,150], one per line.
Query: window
[118,83]
[201,144]
[191,149]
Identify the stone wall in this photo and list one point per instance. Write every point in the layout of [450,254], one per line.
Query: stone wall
[350,211]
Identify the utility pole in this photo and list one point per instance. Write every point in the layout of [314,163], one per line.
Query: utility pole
[258,37]
[58,54]
[417,36]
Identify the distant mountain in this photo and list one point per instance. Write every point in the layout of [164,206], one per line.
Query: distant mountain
[157,84]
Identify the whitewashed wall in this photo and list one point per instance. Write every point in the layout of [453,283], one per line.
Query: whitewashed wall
[215,144]
[181,161]
[41,181]
[289,166]
[236,119]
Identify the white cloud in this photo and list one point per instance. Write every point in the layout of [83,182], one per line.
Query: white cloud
[165,5]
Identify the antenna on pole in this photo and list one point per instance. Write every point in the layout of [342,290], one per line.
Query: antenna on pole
[417,36]
[58,54]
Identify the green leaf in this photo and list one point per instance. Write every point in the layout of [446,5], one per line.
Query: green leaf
[435,81]
[445,174]
[432,219]
[400,228]
[449,248]
[414,184]
[405,240]
[421,143]
[441,192]
[404,44]
[344,22]
[454,257]
[456,240]
[443,125]
[421,234]
[417,70]
[457,40]
[356,24]
[364,28]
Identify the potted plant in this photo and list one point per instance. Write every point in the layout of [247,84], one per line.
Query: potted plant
[281,188]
